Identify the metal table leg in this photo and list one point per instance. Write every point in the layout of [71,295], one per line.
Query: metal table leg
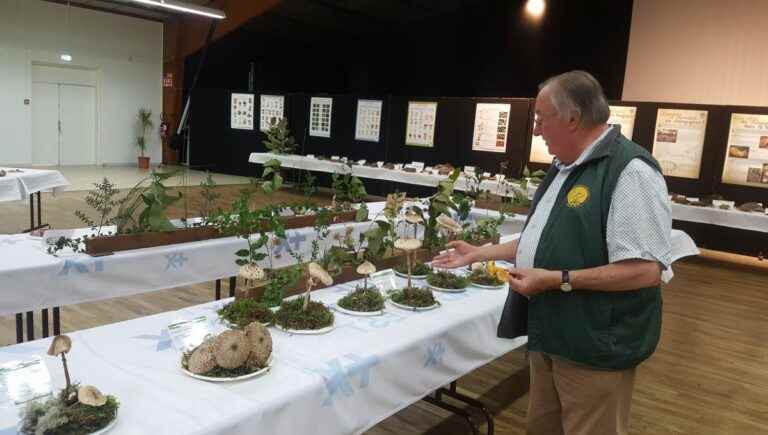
[218,289]
[232,285]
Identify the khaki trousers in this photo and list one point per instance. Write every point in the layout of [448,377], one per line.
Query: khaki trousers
[575,400]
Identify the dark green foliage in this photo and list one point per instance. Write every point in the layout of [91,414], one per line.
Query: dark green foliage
[414,297]
[155,199]
[271,180]
[307,183]
[243,312]
[102,200]
[292,316]
[280,280]
[348,188]
[58,418]
[209,195]
[279,139]
[484,229]
[482,277]
[447,280]
[418,269]
[362,299]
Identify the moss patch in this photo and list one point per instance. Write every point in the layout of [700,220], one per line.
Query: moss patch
[221,372]
[245,311]
[414,297]
[447,280]
[482,277]
[363,300]
[57,418]
[291,316]
[419,269]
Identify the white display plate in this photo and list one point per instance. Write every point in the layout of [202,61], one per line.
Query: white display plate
[227,324]
[446,290]
[488,287]
[320,331]
[407,308]
[358,313]
[108,427]
[405,275]
[235,379]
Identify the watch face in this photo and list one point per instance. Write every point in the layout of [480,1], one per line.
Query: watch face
[566,287]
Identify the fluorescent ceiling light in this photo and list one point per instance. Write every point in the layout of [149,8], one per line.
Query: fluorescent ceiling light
[66,57]
[185,7]
[535,7]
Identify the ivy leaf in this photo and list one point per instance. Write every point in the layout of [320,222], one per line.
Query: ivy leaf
[241,262]
[242,253]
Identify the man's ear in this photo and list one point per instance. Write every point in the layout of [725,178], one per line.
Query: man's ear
[573,122]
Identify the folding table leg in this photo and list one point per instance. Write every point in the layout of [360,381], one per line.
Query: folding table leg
[56,321]
[30,325]
[19,328]
[46,332]
[218,289]
[232,285]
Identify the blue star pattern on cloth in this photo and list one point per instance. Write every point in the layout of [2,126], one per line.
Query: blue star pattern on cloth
[163,340]
[295,239]
[81,266]
[175,261]
[338,377]
[435,352]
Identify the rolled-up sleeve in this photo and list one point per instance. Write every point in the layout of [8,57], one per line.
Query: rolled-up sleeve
[640,218]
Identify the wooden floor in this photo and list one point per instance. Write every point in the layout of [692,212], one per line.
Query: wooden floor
[708,376]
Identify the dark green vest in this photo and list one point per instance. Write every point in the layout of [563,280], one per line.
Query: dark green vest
[609,330]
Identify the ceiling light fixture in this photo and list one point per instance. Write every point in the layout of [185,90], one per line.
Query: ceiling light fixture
[535,8]
[66,57]
[185,7]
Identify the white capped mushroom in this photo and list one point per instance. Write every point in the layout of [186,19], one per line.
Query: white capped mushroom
[413,218]
[60,344]
[366,268]
[91,396]
[231,349]
[408,244]
[251,272]
[448,224]
[478,266]
[317,272]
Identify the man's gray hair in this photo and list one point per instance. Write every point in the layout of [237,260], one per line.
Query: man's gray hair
[578,93]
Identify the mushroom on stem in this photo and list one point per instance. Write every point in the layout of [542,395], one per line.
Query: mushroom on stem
[413,218]
[408,246]
[366,268]
[316,272]
[60,345]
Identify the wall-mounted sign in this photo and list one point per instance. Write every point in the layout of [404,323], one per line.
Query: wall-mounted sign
[271,110]
[320,116]
[746,157]
[491,124]
[242,112]
[368,122]
[420,124]
[678,141]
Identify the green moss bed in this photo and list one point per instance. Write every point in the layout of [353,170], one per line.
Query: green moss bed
[363,300]
[220,372]
[56,418]
[291,316]
[447,280]
[243,312]
[414,297]
[482,277]
[419,269]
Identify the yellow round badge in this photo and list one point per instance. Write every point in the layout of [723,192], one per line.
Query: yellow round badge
[578,196]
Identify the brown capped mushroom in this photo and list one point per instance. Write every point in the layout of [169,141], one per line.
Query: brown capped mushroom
[261,344]
[448,224]
[407,244]
[91,396]
[316,271]
[413,218]
[202,359]
[60,344]
[366,268]
[231,349]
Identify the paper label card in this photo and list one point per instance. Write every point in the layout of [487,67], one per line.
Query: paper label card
[469,170]
[419,166]
[241,112]
[384,280]
[23,381]
[271,110]
[188,334]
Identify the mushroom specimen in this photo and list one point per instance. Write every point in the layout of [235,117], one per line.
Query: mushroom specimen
[366,268]
[408,246]
[413,218]
[260,341]
[202,359]
[316,272]
[231,349]
[251,273]
[60,345]
[91,396]
[449,225]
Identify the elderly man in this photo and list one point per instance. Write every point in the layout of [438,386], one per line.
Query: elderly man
[588,264]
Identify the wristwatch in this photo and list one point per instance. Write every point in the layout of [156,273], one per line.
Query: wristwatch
[565,284]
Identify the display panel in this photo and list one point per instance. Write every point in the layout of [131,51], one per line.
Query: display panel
[746,157]
[420,125]
[368,122]
[241,113]
[491,127]
[320,116]
[678,141]
[272,110]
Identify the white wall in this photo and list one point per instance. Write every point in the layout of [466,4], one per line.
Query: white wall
[698,51]
[125,54]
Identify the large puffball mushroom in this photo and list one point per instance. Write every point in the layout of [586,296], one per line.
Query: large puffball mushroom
[231,349]
[261,344]
[91,396]
[317,272]
[251,272]
[407,245]
[60,344]
[448,224]
[202,359]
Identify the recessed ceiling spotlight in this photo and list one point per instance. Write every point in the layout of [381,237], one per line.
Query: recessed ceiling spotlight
[535,8]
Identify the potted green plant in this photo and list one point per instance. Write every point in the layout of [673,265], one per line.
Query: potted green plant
[145,123]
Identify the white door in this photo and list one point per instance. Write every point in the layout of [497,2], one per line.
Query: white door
[78,125]
[45,123]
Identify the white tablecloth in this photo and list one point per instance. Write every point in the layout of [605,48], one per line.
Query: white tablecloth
[726,218]
[340,383]
[19,185]
[418,179]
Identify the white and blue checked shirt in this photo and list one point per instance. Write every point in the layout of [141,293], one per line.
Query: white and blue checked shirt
[639,221]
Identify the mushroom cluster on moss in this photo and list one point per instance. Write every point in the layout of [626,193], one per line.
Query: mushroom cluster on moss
[233,349]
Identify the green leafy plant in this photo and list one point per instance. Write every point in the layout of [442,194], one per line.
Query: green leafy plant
[155,199]
[144,119]
[447,280]
[347,188]
[484,229]
[271,180]
[279,280]
[208,194]
[307,183]
[102,200]
[520,196]
[279,139]
[439,203]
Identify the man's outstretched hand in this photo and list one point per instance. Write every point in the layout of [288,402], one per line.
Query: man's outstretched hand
[460,254]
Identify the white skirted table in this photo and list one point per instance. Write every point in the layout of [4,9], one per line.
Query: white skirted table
[19,184]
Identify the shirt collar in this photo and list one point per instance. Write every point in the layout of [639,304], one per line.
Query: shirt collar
[584,154]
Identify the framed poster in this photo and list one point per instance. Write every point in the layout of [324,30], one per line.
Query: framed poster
[678,141]
[320,116]
[241,114]
[420,125]
[746,157]
[491,125]
[271,111]
[624,116]
[368,122]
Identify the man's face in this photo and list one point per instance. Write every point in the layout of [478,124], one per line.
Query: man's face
[556,132]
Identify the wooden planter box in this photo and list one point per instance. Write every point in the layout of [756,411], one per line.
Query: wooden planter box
[347,274]
[107,245]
